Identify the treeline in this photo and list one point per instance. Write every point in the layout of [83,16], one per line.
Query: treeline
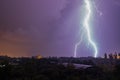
[48,69]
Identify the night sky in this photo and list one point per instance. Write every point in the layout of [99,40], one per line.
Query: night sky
[52,27]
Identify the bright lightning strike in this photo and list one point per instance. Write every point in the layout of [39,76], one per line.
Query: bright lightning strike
[87,29]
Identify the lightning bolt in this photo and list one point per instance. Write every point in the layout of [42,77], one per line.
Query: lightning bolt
[76,46]
[87,29]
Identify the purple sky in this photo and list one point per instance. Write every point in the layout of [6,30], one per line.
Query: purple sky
[52,27]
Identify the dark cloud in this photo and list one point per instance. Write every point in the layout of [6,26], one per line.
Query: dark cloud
[52,27]
[33,25]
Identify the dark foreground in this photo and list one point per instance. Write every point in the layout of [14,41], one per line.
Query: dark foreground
[54,69]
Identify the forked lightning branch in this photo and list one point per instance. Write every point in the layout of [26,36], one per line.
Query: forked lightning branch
[87,28]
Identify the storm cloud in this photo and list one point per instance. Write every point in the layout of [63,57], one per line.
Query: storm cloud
[31,27]
[52,27]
